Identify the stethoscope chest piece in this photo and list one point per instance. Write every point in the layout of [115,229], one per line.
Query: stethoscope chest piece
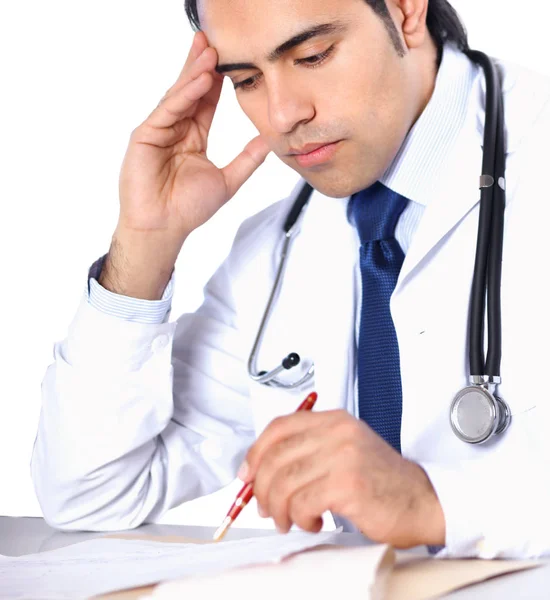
[477,414]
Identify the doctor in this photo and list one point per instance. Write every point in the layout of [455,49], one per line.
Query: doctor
[140,413]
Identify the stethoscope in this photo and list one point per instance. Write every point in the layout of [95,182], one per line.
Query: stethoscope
[477,414]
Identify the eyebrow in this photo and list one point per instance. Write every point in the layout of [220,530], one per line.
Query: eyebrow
[300,38]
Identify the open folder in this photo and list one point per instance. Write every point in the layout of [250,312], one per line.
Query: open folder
[328,571]
[277,566]
[323,573]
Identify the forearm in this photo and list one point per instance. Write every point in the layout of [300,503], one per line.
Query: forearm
[139,264]
[105,399]
[124,434]
[114,447]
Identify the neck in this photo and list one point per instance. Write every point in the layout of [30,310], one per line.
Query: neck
[429,63]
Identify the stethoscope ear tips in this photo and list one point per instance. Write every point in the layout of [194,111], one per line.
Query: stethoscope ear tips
[291,360]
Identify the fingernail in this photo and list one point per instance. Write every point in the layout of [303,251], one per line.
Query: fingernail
[262,512]
[243,471]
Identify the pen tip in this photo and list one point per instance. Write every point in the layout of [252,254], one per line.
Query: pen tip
[222,529]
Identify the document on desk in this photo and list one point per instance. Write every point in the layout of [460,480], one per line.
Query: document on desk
[103,565]
[356,573]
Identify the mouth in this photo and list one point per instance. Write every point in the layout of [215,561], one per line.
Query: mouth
[308,148]
[314,154]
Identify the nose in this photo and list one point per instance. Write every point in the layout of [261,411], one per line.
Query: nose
[289,104]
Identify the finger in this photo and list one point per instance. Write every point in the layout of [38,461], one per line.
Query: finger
[199,44]
[180,103]
[206,108]
[207,59]
[277,430]
[280,461]
[284,427]
[242,167]
[287,482]
[307,505]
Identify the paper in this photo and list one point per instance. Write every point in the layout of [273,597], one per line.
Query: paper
[324,574]
[104,565]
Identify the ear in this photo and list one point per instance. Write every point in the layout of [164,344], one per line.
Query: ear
[411,16]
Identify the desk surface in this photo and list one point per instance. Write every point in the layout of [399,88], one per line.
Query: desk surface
[28,535]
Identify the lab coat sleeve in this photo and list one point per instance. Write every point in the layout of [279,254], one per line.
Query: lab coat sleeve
[130,309]
[137,418]
[496,506]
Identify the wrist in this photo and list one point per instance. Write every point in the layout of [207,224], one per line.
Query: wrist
[139,264]
[427,519]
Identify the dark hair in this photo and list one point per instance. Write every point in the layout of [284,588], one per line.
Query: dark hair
[442,21]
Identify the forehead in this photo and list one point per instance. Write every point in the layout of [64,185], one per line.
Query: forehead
[245,26]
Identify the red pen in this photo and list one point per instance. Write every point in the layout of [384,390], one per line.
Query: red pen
[246,493]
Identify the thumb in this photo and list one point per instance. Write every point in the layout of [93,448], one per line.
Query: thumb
[242,167]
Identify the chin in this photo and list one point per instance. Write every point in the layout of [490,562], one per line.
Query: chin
[336,184]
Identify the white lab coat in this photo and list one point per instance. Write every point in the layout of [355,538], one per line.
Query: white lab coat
[138,418]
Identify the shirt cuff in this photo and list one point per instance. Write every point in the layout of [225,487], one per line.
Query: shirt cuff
[125,307]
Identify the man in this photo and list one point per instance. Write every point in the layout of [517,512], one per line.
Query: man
[373,103]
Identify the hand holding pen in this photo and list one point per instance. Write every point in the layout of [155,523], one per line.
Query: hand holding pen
[246,493]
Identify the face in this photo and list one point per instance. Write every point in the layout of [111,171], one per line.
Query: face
[343,85]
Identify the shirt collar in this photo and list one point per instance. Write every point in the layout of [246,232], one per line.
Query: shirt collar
[415,167]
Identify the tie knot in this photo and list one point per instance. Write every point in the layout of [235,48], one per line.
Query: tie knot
[375,211]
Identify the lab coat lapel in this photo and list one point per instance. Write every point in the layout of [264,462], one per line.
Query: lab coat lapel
[328,252]
[454,195]
[314,313]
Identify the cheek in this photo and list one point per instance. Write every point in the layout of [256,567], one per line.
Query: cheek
[367,92]
[375,102]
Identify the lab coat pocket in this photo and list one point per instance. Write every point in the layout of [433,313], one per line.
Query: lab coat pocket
[271,402]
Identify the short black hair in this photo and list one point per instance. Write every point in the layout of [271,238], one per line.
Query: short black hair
[442,21]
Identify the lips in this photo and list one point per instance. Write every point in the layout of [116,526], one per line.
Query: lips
[308,148]
[319,155]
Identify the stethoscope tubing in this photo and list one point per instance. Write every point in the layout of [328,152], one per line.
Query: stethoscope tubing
[263,376]
[494,316]
[486,281]
[270,377]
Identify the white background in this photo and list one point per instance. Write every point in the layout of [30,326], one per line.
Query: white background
[76,78]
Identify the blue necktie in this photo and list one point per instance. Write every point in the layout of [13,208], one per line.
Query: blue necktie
[375,212]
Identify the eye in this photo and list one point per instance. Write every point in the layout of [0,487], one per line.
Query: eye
[316,60]
[310,62]
[248,84]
